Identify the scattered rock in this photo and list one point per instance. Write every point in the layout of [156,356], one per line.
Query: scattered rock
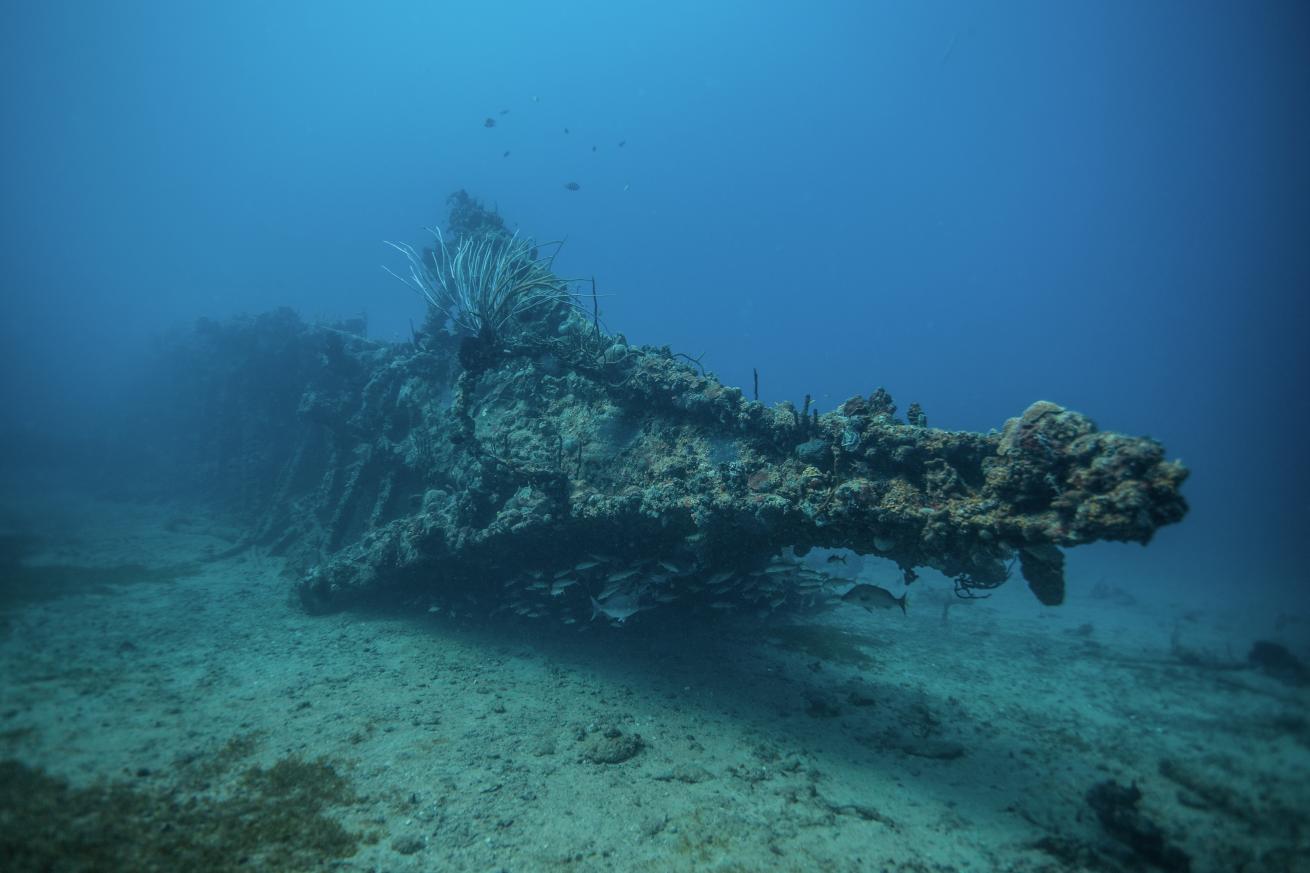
[651,826]
[1278,663]
[689,774]
[1116,808]
[855,808]
[613,747]
[863,811]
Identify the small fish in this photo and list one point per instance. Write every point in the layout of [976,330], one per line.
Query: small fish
[621,575]
[490,122]
[566,130]
[506,155]
[672,568]
[585,565]
[617,609]
[720,577]
[832,559]
[593,148]
[622,143]
[536,99]
[573,186]
[504,112]
[872,597]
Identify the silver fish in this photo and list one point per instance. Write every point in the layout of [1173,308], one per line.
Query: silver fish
[872,597]
[617,609]
[610,591]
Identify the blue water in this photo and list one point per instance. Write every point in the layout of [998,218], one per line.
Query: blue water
[1104,205]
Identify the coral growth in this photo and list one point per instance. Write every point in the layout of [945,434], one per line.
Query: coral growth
[422,471]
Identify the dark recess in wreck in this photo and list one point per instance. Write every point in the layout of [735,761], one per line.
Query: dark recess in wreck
[533,465]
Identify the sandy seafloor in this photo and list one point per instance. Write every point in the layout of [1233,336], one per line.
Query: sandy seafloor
[848,741]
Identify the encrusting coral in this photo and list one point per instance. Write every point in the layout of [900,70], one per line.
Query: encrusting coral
[533,468]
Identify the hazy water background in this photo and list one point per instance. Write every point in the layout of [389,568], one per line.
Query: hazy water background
[1101,204]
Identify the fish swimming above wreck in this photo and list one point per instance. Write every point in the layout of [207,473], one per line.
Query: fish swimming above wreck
[618,608]
[873,597]
[515,439]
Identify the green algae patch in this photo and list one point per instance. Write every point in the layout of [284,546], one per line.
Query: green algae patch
[275,820]
[310,784]
[21,582]
[210,767]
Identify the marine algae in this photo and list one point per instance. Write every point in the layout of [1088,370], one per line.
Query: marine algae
[278,820]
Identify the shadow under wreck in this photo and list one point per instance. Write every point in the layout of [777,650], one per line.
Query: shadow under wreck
[518,456]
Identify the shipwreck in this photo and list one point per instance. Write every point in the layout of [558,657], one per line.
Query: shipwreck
[517,455]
